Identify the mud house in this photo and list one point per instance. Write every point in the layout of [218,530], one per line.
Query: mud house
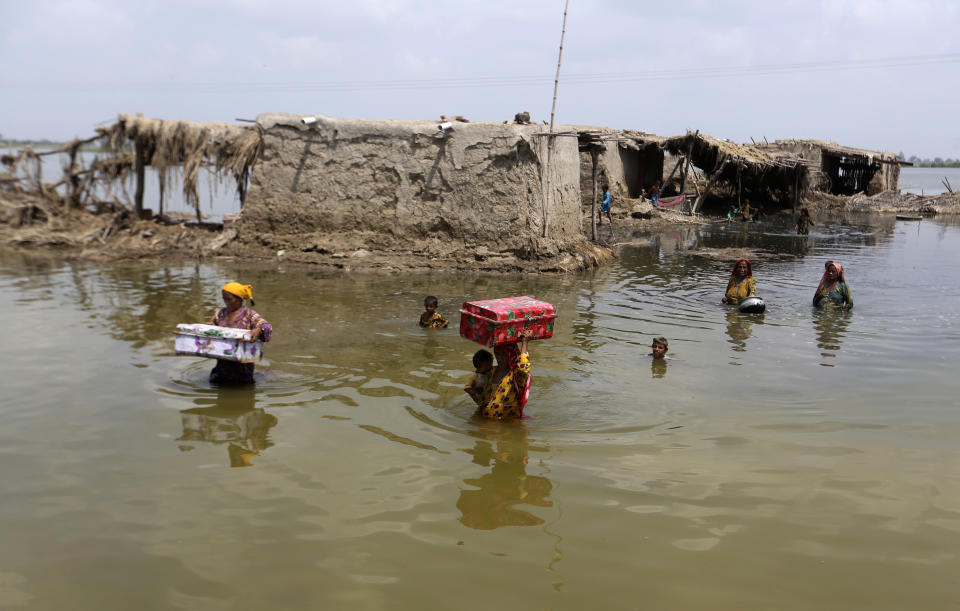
[631,162]
[327,183]
[461,190]
[315,184]
[737,171]
[843,170]
[778,173]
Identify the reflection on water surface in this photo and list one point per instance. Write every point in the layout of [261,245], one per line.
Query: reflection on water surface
[784,459]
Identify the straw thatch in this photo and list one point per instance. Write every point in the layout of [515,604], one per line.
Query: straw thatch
[779,173]
[834,148]
[230,149]
[710,154]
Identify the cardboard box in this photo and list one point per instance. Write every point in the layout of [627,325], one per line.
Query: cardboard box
[495,322]
[215,342]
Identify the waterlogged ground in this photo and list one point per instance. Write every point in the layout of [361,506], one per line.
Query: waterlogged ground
[791,460]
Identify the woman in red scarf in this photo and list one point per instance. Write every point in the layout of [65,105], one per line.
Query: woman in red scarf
[833,290]
[510,382]
[742,284]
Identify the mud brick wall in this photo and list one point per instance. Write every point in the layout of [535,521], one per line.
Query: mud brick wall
[390,184]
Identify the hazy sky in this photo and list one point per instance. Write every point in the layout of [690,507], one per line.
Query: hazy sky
[867,73]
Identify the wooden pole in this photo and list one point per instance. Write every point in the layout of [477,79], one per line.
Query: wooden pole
[703,196]
[556,79]
[686,167]
[242,185]
[39,174]
[553,110]
[73,182]
[796,187]
[739,184]
[139,166]
[594,155]
[162,175]
[674,170]
[545,200]
[683,175]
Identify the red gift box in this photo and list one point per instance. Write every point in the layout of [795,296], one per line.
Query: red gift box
[494,322]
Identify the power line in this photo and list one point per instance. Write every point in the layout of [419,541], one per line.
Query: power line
[593,78]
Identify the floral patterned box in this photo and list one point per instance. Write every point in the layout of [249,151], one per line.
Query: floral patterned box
[494,322]
[215,342]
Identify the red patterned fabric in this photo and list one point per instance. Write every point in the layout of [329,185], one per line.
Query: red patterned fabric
[495,322]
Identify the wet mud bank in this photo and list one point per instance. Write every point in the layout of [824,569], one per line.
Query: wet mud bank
[110,233]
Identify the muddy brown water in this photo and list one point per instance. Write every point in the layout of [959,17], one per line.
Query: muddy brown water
[790,460]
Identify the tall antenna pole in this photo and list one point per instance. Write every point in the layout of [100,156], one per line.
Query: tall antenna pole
[556,80]
[553,110]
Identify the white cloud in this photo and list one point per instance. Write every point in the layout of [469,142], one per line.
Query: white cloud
[135,49]
[381,9]
[411,63]
[731,42]
[887,13]
[301,51]
[88,17]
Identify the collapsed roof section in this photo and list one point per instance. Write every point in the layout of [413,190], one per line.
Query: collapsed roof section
[843,170]
[630,161]
[224,148]
[783,175]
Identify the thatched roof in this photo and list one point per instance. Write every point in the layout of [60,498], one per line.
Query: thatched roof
[834,148]
[227,148]
[712,155]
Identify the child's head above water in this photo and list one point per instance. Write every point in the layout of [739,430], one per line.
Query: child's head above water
[482,361]
[659,347]
[430,303]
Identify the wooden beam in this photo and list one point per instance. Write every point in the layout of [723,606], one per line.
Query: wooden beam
[686,167]
[162,175]
[706,190]
[739,184]
[594,155]
[673,171]
[139,168]
[796,186]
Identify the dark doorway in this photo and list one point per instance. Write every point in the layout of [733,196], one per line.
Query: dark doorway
[848,174]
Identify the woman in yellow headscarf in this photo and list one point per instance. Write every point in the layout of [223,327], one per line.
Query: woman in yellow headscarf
[742,284]
[237,316]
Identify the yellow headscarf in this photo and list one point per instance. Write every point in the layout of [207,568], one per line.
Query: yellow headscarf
[243,291]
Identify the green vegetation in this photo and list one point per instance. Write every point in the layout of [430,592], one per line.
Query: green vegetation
[38,145]
[936,162]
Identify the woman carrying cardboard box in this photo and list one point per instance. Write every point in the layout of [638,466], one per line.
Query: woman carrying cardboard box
[237,316]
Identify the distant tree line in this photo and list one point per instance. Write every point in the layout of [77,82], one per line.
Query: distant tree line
[936,162]
[14,143]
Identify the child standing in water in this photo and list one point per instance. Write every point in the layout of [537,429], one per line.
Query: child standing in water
[658,364]
[804,222]
[482,365]
[431,319]
[658,347]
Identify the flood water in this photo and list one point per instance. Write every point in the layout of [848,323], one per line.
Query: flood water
[791,460]
[928,181]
